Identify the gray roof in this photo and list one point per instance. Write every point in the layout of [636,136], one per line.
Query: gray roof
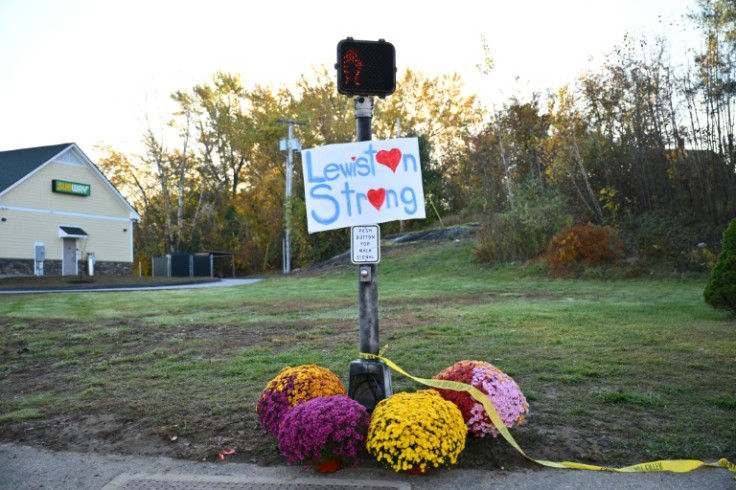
[16,164]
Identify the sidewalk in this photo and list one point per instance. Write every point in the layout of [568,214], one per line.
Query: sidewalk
[25,468]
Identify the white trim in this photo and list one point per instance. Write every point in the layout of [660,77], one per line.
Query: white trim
[64,213]
[132,246]
[78,153]
[133,213]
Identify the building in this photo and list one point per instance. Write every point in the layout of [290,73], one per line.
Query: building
[59,215]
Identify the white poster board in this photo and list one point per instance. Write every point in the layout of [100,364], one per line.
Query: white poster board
[354,184]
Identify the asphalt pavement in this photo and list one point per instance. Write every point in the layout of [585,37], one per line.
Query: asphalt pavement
[200,284]
[26,468]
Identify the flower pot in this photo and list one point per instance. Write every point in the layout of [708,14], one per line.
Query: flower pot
[329,466]
[417,470]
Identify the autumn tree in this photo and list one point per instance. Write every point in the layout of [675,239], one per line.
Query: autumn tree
[566,167]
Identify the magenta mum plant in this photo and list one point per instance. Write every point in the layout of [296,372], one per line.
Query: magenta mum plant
[324,428]
[294,385]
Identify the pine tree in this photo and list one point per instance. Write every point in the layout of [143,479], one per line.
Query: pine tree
[721,289]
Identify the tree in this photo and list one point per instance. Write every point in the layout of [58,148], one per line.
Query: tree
[720,292]
[438,109]
[562,151]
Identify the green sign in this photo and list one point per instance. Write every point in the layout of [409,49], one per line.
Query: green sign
[65,187]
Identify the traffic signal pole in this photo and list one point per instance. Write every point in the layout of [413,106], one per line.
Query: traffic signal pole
[367,273]
[366,69]
[370,380]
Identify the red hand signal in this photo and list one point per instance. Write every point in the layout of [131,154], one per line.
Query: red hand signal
[351,58]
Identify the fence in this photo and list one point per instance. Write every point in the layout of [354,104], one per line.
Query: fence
[183,265]
[191,265]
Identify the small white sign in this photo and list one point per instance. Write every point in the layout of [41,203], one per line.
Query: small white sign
[365,244]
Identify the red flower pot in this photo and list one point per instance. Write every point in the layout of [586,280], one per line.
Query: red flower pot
[329,466]
[417,470]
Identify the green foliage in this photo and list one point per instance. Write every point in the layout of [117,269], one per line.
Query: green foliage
[523,231]
[685,242]
[721,289]
[582,246]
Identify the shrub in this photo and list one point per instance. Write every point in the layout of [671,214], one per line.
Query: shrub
[501,390]
[523,231]
[324,428]
[417,430]
[720,292]
[583,245]
[290,388]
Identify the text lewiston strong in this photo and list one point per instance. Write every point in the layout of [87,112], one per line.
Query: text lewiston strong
[360,183]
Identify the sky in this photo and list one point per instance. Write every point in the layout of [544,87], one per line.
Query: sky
[101,72]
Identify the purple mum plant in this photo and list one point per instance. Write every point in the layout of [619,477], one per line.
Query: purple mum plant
[324,428]
[294,385]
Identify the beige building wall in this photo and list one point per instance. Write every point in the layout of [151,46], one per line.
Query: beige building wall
[110,240]
[33,213]
[35,192]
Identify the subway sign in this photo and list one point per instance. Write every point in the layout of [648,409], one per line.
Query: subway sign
[64,187]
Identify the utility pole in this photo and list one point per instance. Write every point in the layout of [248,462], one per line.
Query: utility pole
[289,144]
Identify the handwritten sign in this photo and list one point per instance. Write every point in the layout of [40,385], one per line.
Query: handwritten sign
[354,184]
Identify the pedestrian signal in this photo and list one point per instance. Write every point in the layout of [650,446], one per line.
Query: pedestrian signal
[366,67]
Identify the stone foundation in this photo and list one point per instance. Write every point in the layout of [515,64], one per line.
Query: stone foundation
[24,267]
[111,268]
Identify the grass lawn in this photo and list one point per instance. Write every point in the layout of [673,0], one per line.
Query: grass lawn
[616,372]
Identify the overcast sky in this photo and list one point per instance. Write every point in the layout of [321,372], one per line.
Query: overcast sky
[92,71]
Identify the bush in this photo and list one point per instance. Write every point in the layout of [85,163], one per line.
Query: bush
[418,430]
[523,231]
[500,389]
[720,292]
[294,385]
[683,243]
[322,429]
[583,245]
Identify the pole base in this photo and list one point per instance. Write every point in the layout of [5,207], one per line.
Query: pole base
[370,382]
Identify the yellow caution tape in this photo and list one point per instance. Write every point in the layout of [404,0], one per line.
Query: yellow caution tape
[675,465]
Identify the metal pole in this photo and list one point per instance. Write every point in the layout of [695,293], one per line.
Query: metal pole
[370,380]
[289,171]
[287,200]
[367,290]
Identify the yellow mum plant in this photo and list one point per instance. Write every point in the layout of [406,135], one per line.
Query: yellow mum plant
[419,430]
[294,385]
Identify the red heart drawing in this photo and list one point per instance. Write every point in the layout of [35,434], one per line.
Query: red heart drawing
[376,197]
[389,158]
[352,158]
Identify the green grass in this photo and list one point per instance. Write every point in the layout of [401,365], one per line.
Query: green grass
[616,372]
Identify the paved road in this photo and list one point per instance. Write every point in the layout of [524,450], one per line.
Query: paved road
[25,468]
[209,284]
